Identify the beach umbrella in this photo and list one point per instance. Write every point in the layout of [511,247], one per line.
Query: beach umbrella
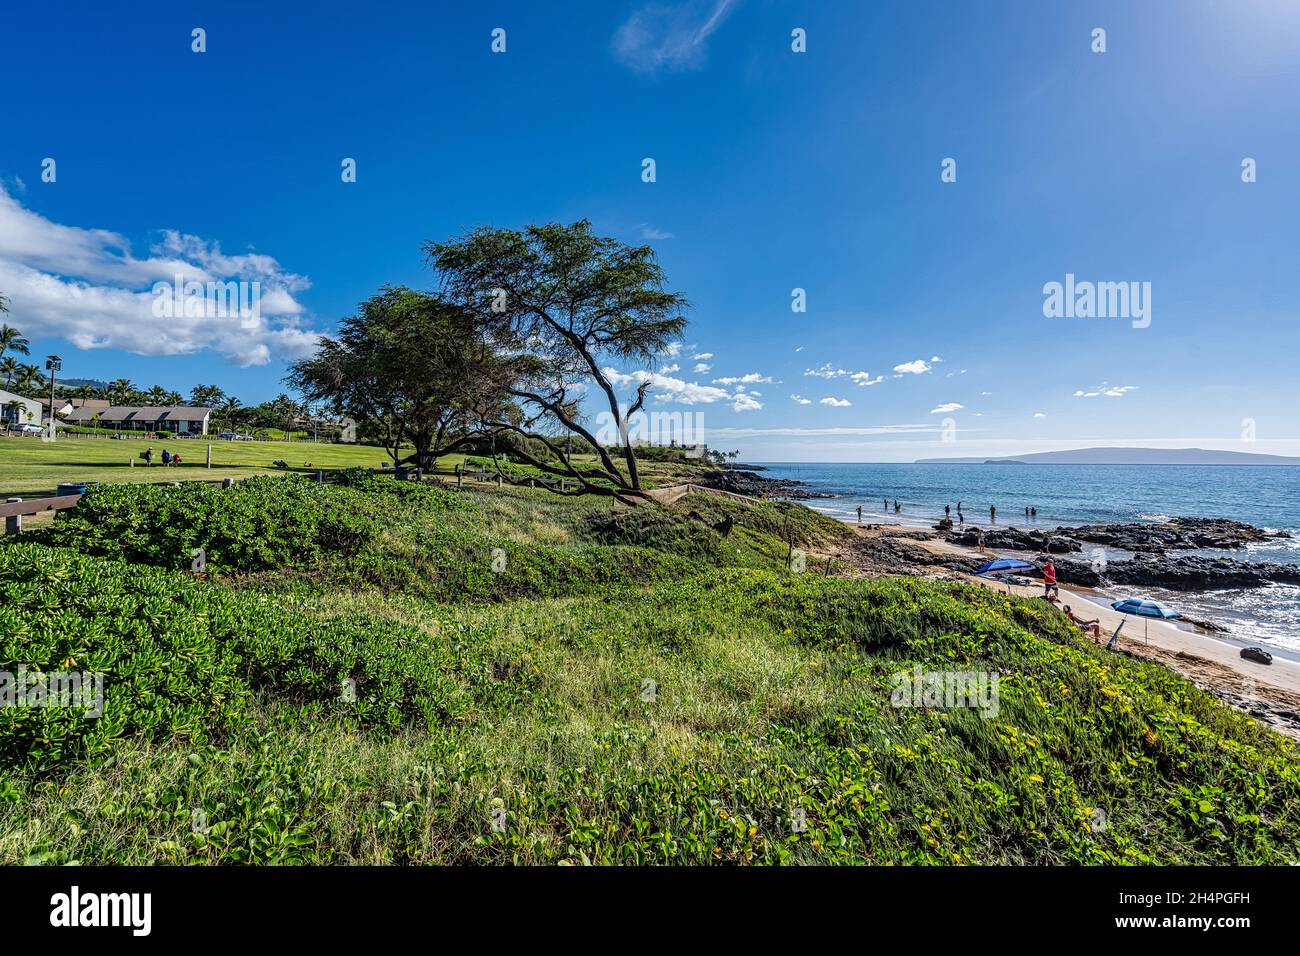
[1144,607]
[1004,566]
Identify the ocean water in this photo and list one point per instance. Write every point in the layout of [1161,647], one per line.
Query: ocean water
[1065,495]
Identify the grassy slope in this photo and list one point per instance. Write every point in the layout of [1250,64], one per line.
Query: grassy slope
[773,693]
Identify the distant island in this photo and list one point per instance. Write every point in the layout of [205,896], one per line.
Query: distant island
[1125,456]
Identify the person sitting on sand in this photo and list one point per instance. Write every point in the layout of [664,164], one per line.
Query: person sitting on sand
[1049,579]
[1092,627]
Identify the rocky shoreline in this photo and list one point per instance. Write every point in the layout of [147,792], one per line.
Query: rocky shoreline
[750,483]
[1150,565]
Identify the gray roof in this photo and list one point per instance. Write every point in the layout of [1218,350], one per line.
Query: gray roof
[140,413]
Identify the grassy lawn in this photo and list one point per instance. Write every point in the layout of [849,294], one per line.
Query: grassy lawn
[33,468]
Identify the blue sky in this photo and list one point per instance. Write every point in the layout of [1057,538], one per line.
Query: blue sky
[775,170]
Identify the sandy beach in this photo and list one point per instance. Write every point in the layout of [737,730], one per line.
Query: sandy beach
[1207,661]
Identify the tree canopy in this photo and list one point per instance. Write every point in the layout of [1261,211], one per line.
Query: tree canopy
[558,300]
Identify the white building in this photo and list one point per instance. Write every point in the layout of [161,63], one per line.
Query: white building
[16,410]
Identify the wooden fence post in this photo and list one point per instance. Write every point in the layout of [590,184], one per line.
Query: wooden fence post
[14,523]
[460,474]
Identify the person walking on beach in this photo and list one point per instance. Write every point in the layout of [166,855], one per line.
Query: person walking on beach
[981,540]
[1049,580]
[859,514]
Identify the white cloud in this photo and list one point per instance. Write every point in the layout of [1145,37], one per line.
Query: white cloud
[86,286]
[836,402]
[801,400]
[1109,391]
[826,371]
[658,36]
[672,350]
[654,233]
[1039,415]
[669,369]
[701,368]
[702,355]
[985,394]
[915,367]
[749,378]
[665,388]
[945,407]
[864,379]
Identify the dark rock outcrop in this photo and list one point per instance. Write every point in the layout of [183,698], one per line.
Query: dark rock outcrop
[1017,539]
[1175,534]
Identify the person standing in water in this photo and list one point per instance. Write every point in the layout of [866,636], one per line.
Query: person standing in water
[947,512]
[896,508]
[993,513]
[886,506]
[859,514]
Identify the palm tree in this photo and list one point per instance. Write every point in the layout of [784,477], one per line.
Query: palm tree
[120,391]
[9,369]
[30,379]
[228,410]
[11,340]
[206,396]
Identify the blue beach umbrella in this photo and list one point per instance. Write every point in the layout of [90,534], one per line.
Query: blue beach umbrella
[1144,607]
[1003,566]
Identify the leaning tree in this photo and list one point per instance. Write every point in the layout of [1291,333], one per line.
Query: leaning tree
[412,367]
[554,301]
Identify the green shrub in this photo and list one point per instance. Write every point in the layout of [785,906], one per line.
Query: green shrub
[259,524]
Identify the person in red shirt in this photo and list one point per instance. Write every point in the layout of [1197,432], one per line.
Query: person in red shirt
[1049,580]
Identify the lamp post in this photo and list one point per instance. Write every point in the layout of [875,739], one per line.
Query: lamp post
[52,365]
